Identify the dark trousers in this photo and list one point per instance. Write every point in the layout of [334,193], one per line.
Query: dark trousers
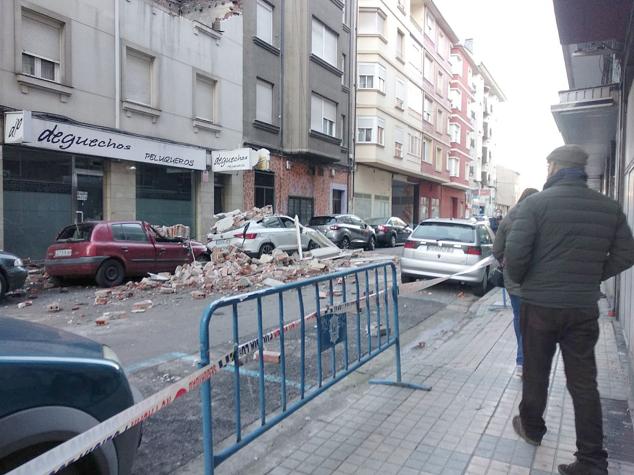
[577,331]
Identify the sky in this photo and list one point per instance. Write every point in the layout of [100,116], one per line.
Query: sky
[519,44]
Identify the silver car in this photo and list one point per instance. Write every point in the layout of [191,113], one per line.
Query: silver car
[262,236]
[443,247]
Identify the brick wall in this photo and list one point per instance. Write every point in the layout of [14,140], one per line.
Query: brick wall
[300,180]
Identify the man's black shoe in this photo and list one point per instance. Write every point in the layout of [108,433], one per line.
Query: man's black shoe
[577,468]
[519,430]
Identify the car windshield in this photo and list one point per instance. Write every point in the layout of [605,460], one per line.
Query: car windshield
[76,232]
[445,232]
[321,220]
[376,220]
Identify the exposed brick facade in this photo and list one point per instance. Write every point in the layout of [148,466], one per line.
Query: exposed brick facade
[302,180]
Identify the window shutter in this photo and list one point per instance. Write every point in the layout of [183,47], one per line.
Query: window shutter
[318,38]
[399,135]
[265,22]
[41,37]
[204,98]
[139,78]
[315,113]
[330,47]
[264,102]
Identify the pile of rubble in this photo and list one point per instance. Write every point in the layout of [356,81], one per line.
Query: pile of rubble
[175,231]
[231,270]
[235,219]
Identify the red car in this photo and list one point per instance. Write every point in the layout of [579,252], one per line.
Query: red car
[110,251]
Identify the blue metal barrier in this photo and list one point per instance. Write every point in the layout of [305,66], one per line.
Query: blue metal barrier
[332,329]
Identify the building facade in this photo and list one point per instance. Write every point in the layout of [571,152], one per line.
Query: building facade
[507,188]
[403,111]
[597,113]
[112,111]
[298,104]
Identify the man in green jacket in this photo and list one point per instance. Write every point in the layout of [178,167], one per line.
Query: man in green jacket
[563,243]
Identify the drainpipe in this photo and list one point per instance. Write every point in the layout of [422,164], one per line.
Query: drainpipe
[117,61]
[352,128]
[281,106]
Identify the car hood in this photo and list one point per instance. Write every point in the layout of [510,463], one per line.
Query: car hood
[21,338]
[7,255]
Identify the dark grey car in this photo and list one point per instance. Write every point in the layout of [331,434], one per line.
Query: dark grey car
[55,385]
[345,230]
[12,273]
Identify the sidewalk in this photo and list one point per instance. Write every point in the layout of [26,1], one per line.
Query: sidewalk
[464,424]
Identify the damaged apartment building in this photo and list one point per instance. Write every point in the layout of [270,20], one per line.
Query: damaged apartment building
[298,104]
[111,110]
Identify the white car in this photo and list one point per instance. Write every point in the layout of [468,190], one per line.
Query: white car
[262,236]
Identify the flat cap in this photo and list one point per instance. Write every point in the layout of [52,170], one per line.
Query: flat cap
[572,156]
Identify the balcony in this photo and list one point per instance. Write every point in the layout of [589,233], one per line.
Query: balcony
[588,117]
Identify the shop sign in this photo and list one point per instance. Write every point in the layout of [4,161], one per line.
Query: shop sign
[17,125]
[82,195]
[104,143]
[239,159]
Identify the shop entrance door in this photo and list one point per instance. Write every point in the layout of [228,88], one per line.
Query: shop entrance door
[88,195]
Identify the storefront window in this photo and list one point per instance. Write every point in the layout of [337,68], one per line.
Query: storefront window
[303,208]
[164,195]
[424,208]
[37,199]
[403,197]
[435,208]
[264,189]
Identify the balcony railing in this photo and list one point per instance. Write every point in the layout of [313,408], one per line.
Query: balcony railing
[588,94]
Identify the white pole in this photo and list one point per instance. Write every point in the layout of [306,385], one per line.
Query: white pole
[299,238]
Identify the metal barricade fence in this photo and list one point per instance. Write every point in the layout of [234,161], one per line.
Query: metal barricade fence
[367,296]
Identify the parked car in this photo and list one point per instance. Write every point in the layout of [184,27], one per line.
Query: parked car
[12,273]
[443,247]
[345,230]
[390,231]
[260,237]
[55,385]
[110,251]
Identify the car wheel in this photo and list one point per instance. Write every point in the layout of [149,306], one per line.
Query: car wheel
[266,248]
[345,243]
[371,244]
[110,274]
[393,241]
[85,465]
[482,287]
[312,245]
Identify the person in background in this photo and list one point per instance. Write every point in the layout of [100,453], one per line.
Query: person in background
[512,287]
[563,243]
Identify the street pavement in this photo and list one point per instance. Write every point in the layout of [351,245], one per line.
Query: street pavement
[462,426]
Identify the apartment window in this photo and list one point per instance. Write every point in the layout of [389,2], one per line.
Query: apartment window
[399,139]
[371,23]
[400,94]
[138,77]
[372,76]
[430,26]
[435,207]
[264,101]
[344,131]
[440,83]
[428,69]
[440,124]
[414,144]
[41,46]
[205,99]
[440,47]
[324,42]
[343,12]
[456,99]
[400,44]
[427,157]
[454,167]
[343,68]
[323,115]
[428,109]
[415,56]
[456,64]
[370,130]
[439,159]
[264,28]
[454,131]
[472,141]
